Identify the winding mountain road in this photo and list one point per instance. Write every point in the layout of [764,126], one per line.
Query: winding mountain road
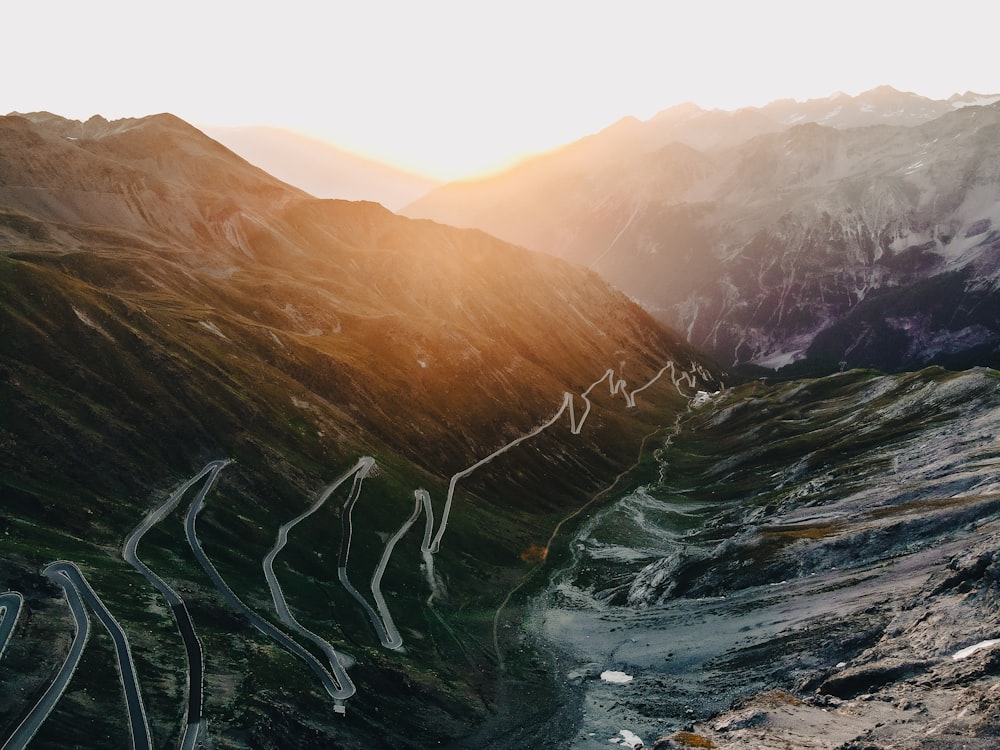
[617,385]
[41,710]
[421,501]
[381,619]
[10,608]
[194,720]
[431,546]
[329,683]
[345,686]
[79,596]
[123,653]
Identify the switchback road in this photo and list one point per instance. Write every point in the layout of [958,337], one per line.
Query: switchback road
[123,653]
[79,596]
[193,723]
[346,686]
[265,627]
[41,710]
[10,608]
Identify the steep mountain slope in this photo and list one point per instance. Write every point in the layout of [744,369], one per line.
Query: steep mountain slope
[816,560]
[633,146]
[753,236]
[165,304]
[320,168]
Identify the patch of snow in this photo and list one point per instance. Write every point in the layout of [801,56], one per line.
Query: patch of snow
[628,739]
[965,653]
[620,678]
[701,398]
[213,328]
[422,363]
[836,111]
[979,101]
[778,359]
[87,321]
[867,108]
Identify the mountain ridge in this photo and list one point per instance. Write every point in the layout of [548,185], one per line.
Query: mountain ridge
[700,233]
[320,168]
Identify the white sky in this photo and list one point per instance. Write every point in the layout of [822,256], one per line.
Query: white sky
[456,87]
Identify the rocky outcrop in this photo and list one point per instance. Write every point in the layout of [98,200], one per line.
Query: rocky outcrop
[815,565]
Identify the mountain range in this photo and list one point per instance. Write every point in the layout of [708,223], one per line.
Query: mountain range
[841,232]
[405,485]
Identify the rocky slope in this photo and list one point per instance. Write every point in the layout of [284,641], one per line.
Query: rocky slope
[165,303]
[844,232]
[805,565]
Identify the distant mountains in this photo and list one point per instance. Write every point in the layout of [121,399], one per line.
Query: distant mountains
[321,169]
[848,231]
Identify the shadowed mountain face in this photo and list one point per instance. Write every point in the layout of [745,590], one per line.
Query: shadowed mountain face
[164,303]
[843,232]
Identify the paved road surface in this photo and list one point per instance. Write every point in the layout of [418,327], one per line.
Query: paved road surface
[41,710]
[10,608]
[381,620]
[265,627]
[123,653]
[195,658]
[421,501]
[339,672]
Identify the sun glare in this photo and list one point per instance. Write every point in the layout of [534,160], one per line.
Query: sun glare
[459,89]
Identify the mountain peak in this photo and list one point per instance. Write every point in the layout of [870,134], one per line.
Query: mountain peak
[623,126]
[885,90]
[888,93]
[684,111]
[97,126]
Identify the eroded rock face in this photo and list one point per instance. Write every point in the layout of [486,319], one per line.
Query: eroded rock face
[921,685]
[658,581]
[834,538]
